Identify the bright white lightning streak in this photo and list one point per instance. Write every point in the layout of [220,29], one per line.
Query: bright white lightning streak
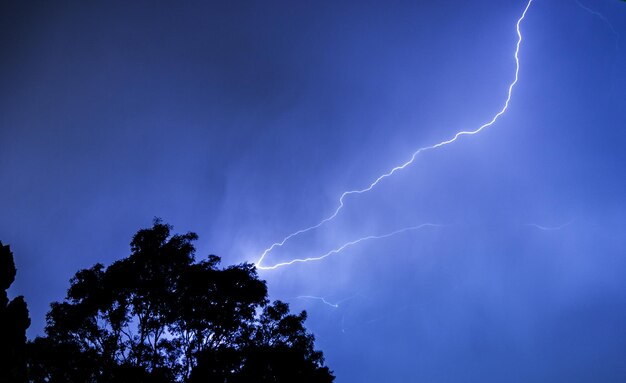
[397,168]
[324,301]
[346,245]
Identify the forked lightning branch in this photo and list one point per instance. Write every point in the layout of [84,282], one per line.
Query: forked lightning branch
[342,199]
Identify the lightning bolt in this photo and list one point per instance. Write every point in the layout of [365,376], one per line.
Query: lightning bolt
[333,305]
[346,245]
[603,18]
[321,299]
[395,169]
[549,228]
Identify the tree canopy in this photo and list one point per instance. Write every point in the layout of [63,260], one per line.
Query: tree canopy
[161,316]
[14,321]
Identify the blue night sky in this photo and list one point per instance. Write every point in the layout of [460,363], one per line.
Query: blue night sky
[245,121]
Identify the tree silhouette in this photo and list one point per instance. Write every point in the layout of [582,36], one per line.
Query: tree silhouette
[160,316]
[14,321]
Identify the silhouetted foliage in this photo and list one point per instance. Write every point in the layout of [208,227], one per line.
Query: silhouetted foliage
[160,316]
[14,321]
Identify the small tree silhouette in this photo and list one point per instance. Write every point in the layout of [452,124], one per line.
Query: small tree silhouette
[14,321]
[160,316]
